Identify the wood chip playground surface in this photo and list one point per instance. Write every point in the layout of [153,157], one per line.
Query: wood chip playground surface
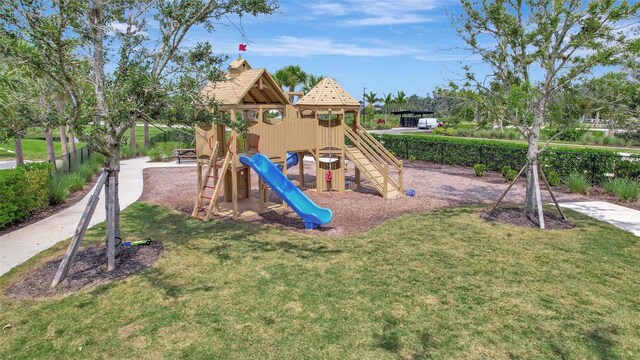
[436,186]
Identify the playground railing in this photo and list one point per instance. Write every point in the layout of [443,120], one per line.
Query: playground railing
[374,157]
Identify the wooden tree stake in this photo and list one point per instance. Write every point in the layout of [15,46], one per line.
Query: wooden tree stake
[553,197]
[507,190]
[111,225]
[67,260]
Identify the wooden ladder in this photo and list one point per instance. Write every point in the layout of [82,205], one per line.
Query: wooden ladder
[205,204]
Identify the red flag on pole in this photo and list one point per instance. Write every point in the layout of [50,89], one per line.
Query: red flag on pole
[242,47]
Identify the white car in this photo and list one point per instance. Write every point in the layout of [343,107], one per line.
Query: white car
[428,123]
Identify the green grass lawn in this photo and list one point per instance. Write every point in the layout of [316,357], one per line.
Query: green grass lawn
[444,284]
[33,149]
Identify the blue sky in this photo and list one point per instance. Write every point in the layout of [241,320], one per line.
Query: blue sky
[382,45]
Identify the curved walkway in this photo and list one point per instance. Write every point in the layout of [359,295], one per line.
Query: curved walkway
[18,246]
[616,215]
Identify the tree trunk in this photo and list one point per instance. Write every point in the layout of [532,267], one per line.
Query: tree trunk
[532,195]
[72,142]
[51,152]
[63,129]
[597,120]
[291,89]
[132,137]
[63,140]
[18,147]
[147,141]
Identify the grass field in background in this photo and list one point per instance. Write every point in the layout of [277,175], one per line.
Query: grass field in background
[35,147]
[444,284]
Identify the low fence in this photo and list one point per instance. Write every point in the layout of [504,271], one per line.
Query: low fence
[73,160]
[596,164]
[181,136]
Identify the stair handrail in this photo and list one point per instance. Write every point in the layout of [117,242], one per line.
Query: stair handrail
[381,165]
[389,157]
[364,147]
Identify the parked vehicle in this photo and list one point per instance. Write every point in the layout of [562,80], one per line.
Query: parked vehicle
[428,123]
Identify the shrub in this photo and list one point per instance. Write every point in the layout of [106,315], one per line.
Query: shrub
[552,177]
[76,181]
[86,170]
[163,151]
[412,158]
[505,169]
[577,183]
[623,189]
[23,190]
[382,126]
[479,169]
[509,174]
[496,154]
[632,136]
[628,169]
[445,131]
[38,176]
[58,189]
[13,191]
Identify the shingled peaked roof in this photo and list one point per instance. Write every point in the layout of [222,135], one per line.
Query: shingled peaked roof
[251,86]
[327,93]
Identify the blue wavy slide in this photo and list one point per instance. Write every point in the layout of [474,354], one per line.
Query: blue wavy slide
[312,215]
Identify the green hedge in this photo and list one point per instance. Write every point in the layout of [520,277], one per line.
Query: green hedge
[497,154]
[23,190]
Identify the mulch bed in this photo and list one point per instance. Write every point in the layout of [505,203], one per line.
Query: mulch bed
[437,186]
[71,200]
[515,216]
[89,269]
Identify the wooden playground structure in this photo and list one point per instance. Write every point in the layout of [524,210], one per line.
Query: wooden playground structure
[316,125]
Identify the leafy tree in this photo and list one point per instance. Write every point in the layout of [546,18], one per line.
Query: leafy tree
[289,77]
[613,97]
[560,40]
[150,67]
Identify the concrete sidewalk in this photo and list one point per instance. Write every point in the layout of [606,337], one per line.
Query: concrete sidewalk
[20,245]
[616,215]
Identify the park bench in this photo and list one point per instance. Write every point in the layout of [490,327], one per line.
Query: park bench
[181,154]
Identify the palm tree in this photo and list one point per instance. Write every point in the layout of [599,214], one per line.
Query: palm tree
[388,101]
[372,98]
[289,77]
[400,99]
[311,82]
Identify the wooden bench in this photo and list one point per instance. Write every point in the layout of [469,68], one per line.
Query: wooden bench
[181,154]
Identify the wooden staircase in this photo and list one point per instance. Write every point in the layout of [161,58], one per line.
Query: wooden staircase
[374,161]
[208,194]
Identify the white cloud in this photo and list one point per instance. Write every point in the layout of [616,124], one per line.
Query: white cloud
[334,9]
[390,20]
[306,47]
[378,12]
[118,27]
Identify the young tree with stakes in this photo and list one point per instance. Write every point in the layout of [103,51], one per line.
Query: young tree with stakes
[150,66]
[559,40]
